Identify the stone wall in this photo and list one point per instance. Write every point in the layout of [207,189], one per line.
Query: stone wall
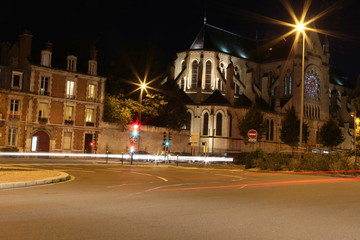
[151,139]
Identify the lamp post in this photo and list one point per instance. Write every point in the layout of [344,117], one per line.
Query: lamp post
[300,28]
[142,89]
[143,86]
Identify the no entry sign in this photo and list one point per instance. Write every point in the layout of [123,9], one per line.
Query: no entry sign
[252,135]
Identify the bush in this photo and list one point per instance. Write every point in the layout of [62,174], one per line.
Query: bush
[9,149]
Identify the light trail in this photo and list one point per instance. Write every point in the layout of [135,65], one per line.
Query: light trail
[151,157]
[265,184]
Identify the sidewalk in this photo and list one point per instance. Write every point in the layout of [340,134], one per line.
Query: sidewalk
[15,177]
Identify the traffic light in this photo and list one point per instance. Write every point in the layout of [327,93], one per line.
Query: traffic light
[164,137]
[91,144]
[132,148]
[169,136]
[135,130]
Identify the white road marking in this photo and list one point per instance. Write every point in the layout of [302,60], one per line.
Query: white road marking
[146,174]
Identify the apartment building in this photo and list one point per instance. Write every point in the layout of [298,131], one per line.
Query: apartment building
[47,109]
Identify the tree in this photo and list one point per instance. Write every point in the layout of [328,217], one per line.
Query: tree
[174,114]
[253,119]
[330,134]
[121,110]
[290,129]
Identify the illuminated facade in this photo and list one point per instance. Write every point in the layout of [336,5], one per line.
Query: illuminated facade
[224,74]
[46,109]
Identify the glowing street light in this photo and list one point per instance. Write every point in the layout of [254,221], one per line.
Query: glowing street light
[300,28]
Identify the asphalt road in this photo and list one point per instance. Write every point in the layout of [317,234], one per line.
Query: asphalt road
[110,201]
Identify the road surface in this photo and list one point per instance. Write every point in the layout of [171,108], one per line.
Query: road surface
[110,201]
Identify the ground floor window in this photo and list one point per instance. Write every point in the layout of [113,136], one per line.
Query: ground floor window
[12,136]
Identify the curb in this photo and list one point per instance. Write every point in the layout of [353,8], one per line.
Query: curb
[63,177]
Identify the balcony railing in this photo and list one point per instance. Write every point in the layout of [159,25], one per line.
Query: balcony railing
[14,116]
[44,93]
[70,96]
[69,122]
[43,120]
[90,124]
[91,99]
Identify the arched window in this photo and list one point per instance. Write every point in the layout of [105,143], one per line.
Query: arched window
[182,84]
[208,76]
[194,74]
[218,124]
[287,85]
[206,124]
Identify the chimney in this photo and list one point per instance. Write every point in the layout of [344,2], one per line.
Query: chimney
[46,55]
[25,49]
[92,63]
[5,48]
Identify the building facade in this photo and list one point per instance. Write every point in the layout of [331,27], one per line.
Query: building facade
[46,109]
[224,74]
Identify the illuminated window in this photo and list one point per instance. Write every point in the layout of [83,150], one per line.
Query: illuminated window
[89,115]
[91,92]
[287,85]
[69,111]
[312,84]
[208,75]
[194,74]
[12,136]
[206,124]
[43,110]
[70,89]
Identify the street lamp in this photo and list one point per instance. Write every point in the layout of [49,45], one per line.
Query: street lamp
[300,27]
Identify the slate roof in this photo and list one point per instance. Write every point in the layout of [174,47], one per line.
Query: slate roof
[216,39]
[216,98]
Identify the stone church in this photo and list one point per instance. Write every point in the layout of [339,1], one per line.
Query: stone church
[223,74]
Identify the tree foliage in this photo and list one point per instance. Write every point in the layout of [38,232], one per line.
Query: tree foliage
[330,134]
[290,129]
[253,119]
[174,114]
[121,110]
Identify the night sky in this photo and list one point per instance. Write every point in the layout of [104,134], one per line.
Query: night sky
[172,25]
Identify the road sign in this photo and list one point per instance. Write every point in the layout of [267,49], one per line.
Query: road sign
[195,139]
[252,135]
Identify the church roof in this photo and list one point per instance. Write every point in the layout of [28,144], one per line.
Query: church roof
[217,98]
[243,101]
[216,39]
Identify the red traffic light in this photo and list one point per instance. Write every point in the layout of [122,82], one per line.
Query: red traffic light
[91,144]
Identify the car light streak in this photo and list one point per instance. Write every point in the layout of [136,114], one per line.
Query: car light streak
[152,157]
[264,184]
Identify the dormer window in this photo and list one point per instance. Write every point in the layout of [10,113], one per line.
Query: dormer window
[92,67]
[71,63]
[16,80]
[46,58]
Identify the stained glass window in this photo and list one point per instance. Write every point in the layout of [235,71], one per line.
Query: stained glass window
[312,84]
